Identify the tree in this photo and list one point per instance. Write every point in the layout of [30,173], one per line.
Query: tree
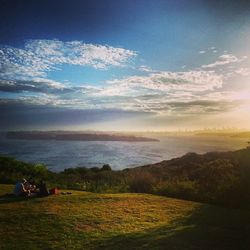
[106,167]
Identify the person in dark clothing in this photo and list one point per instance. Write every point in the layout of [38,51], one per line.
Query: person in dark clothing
[43,191]
[32,186]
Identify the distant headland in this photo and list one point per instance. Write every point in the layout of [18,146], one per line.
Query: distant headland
[75,136]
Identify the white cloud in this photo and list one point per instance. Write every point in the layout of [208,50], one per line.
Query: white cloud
[41,85]
[54,100]
[40,56]
[50,83]
[163,92]
[243,71]
[145,68]
[225,59]
[79,53]
[202,51]
[163,81]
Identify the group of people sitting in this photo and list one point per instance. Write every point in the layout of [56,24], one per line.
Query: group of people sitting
[29,188]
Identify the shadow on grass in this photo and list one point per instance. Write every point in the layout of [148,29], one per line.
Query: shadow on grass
[11,198]
[32,230]
[209,228]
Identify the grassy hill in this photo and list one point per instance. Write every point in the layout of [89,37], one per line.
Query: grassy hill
[85,220]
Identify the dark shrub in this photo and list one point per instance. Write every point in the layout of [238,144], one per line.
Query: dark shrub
[141,182]
[106,167]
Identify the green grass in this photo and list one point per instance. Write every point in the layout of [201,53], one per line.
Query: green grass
[118,221]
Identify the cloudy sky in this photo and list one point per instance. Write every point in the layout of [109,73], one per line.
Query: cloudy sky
[124,65]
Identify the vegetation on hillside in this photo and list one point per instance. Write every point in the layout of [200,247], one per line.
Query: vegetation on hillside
[219,178]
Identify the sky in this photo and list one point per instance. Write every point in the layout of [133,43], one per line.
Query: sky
[134,65]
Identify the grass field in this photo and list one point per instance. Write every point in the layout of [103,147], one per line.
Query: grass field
[118,221]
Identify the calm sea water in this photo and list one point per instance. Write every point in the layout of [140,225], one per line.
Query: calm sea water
[58,155]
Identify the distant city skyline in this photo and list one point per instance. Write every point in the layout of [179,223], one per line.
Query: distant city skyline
[124,65]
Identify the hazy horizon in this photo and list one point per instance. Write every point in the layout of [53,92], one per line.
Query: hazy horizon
[212,130]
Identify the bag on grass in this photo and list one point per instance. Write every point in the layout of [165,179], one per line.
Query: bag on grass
[54,191]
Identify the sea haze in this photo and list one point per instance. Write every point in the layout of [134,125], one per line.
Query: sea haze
[58,155]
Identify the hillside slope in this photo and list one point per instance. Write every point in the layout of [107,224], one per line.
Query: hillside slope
[239,157]
[85,220]
[215,177]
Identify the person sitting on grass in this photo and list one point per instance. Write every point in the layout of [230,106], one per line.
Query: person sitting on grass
[20,190]
[31,186]
[43,191]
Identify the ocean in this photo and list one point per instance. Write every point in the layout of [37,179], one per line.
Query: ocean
[58,155]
